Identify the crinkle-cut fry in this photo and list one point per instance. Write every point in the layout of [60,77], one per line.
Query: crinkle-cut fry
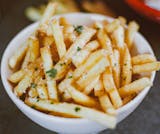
[128,98]
[42,92]
[90,61]
[126,74]
[96,70]
[142,59]
[110,27]
[18,56]
[80,42]
[17,76]
[33,48]
[147,67]
[131,31]
[82,55]
[73,109]
[88,89]
[80,97]
[58,37]
[22,86]
[106,104]
[32,92]
[118,38]
[104,40]
[48,13]
[116,70]
[48,65]
[111,89]
[135,87]
[99,88]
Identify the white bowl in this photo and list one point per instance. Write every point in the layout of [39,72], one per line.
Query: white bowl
[60,124]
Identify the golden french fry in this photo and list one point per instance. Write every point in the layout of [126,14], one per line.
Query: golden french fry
[50,73]
[122,20]
[98,25]
[42,92]
[106,104]
[142,59]
[33,48]
[126,74]
[18,56]
[110,87]
[128,98]
[58,37]
[90,61]
[33,93]
[130,33]
[98,88]
[26,60]
[17,76]
[96,70]
[87,90]
[80,42]
[135,87]
[73,109]
[81,56]
[110,27]
[147,67]
[116,67]
[80,97]
[22,86]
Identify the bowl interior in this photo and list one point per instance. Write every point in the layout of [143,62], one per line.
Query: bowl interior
[140,46]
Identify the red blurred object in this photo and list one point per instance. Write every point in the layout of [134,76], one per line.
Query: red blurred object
[140,7]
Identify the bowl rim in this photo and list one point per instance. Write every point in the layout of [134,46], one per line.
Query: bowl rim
[19,103]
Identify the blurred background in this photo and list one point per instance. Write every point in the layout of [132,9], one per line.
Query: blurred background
[17,14]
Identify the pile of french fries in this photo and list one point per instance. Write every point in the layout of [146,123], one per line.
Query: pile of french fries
[79,71]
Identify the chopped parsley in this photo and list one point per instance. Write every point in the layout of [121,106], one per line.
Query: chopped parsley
[51,102]
[78,49]
[33,85]
[33,106]
[98,28]
[37,100]
[69,77]
[78,29]
[77,109]
[115,64]
[52,72]
[61,64]
[125,64]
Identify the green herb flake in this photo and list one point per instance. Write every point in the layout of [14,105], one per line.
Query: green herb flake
[125,64]
[52,73]
[51,102]
[77,109]
[62,64]
[78,29]
[33,106]
[33,85]
[69,77]
[78,49]
[98,28]
[37,100]
[115,64]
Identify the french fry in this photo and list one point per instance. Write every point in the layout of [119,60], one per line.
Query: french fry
[106,104]
[99,88]
[33,48]
[81,56]
[75,110]
[87,90]
[22,86]
[26,60]
[17,76]
[130,33]
[135,87]
[90,61]
[80,42]
[116,67]
[104,40]
[110,87]
[122,20]
[18,56]
[42,92]
[126,74]
[128,98]
[98,25]
[96,70]
[48,66]
[118,38]
[58,37]
[147,67]
[33,93]
[80,97]
[110,27]
[142,59]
